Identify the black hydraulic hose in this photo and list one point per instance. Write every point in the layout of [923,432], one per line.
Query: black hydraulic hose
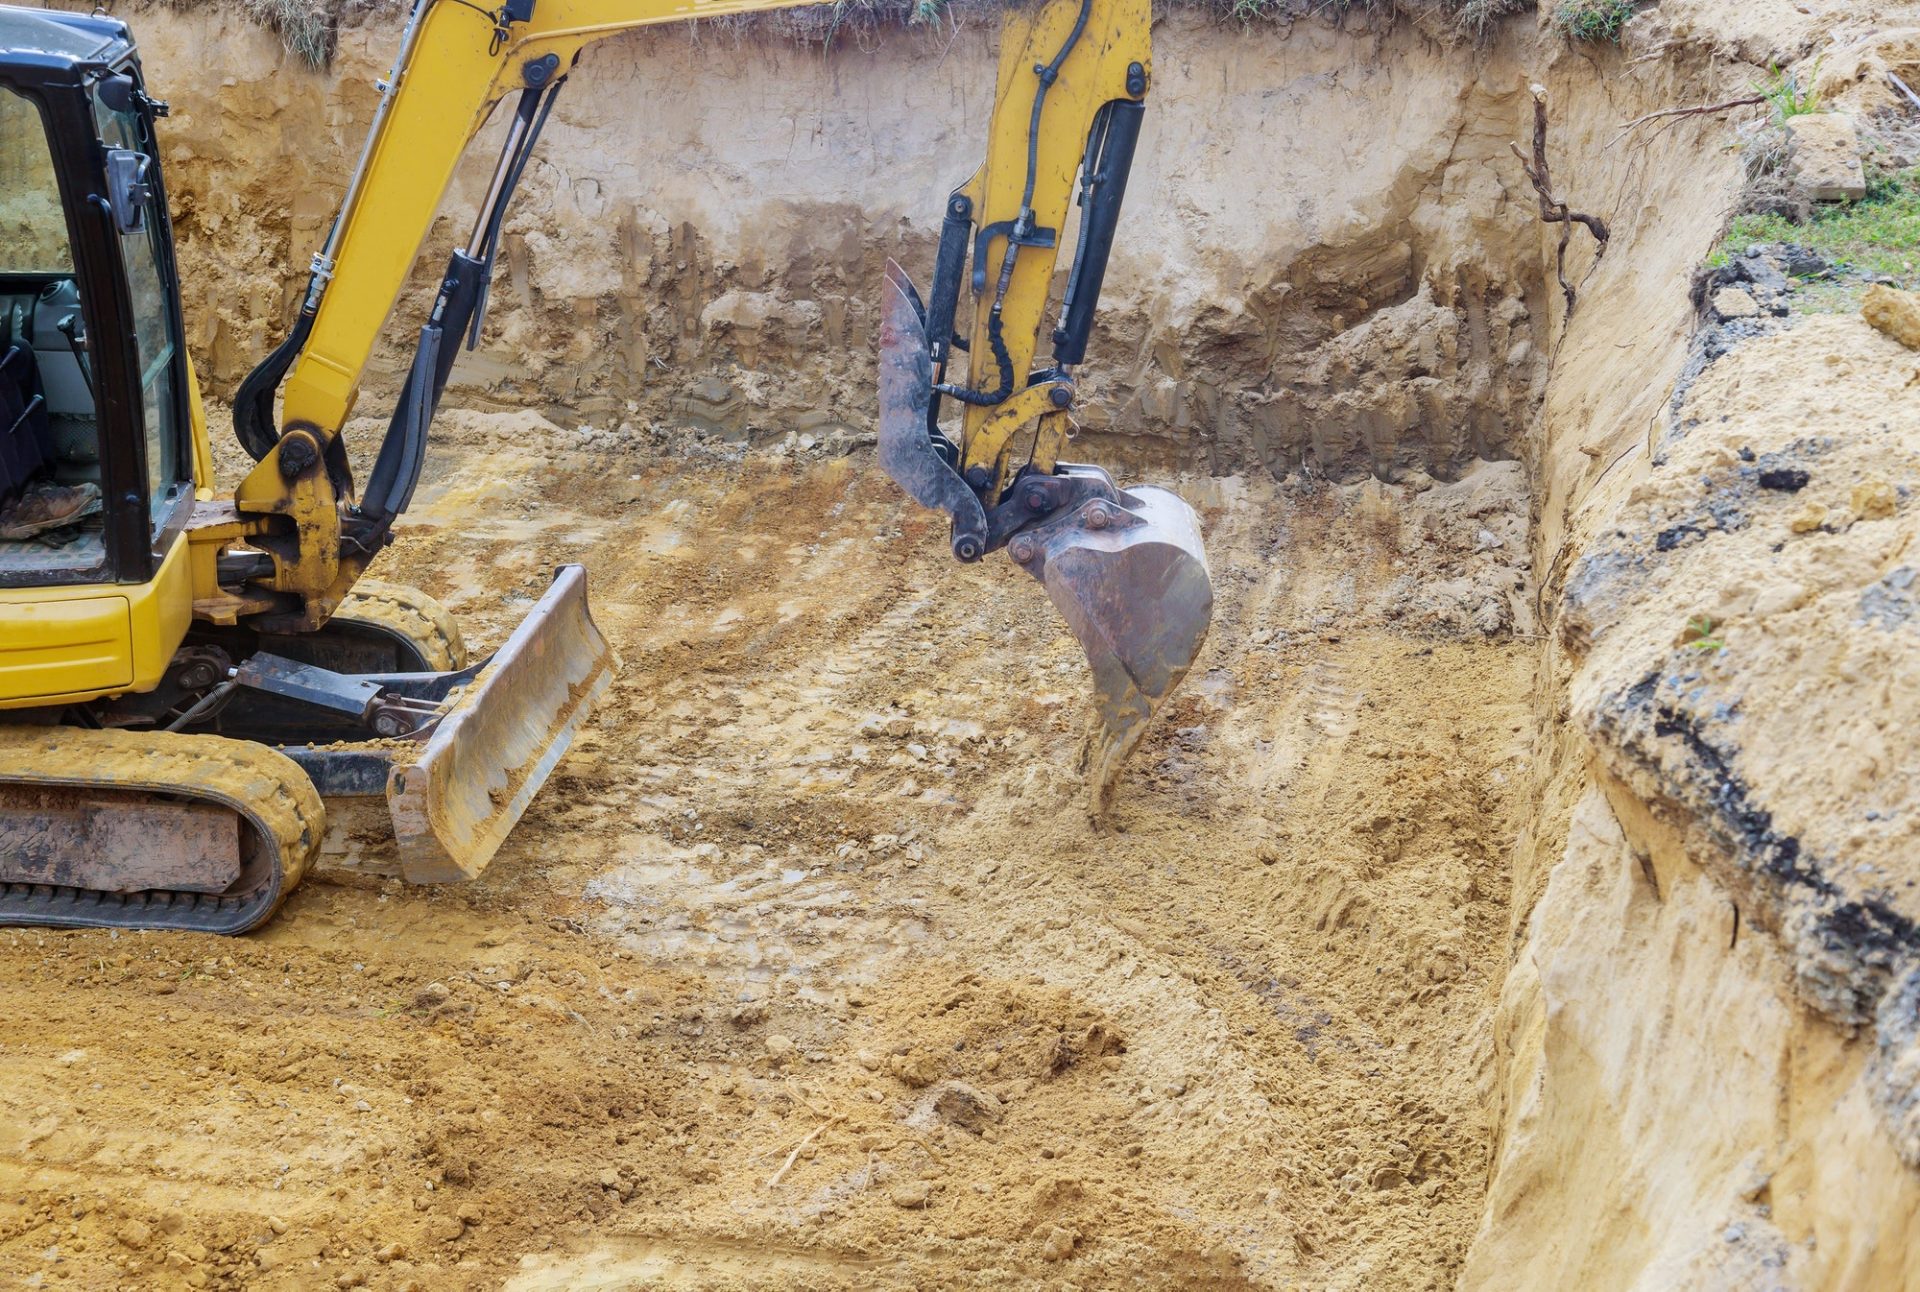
[996,338]
[1048,72]
[497,220]
[253,423]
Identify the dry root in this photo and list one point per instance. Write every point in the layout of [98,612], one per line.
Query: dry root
[1552,209]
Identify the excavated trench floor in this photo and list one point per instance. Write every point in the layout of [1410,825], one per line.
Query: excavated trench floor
[807,969]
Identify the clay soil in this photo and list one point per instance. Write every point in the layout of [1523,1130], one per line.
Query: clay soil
[807,969]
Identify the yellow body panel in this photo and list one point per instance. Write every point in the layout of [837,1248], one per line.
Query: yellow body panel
[80,642]
[202,449]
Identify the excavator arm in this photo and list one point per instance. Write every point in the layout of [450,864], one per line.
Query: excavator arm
[1125,567]
[457,62]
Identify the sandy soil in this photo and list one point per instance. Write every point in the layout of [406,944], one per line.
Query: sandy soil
[807,969]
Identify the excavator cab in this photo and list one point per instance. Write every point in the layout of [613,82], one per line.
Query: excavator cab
[96,445]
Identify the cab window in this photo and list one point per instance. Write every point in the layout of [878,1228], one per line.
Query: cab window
[51,523]
[154,336]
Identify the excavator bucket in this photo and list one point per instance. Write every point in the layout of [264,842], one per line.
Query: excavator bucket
[1130,578]
[1125,567]
[453,805]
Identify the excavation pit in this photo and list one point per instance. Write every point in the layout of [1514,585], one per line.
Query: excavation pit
[1419,950]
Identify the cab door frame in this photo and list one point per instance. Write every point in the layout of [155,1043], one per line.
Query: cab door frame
[63,93]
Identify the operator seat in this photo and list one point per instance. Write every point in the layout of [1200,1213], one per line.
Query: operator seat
[26,432]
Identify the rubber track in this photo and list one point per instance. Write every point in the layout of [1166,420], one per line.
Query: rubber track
[263,786]
[412,614]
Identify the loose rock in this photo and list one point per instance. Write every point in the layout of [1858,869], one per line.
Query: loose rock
[1894,312]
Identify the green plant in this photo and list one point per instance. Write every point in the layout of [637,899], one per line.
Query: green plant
[1699,634]
[1878,236]
[1594,19]
[1785,93]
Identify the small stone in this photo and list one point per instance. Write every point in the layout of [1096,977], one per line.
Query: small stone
[610,1179]
[1778,598]
[748,1013]
[1894,312]
[915,1068]
[1808,519]
[277,1225]
[135,1234]
[445,1229]
[1388,1177]
[1059,1243]
[965,1106]
[1784,479]
[390,1253]
[911,1194]
[471,1214]
[431,996]
[869,1060]
[1874,500]
[779,1048]
[899,725]
[1732,303]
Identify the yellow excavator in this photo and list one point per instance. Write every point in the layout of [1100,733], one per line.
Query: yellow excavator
[186,680]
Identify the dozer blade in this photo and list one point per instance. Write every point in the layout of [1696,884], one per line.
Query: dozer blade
[453,806]
[1131,581]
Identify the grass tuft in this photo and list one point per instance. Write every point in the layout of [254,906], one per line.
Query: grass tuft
[1786,95]
[1594,20]
[1876,237]
[305,27]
